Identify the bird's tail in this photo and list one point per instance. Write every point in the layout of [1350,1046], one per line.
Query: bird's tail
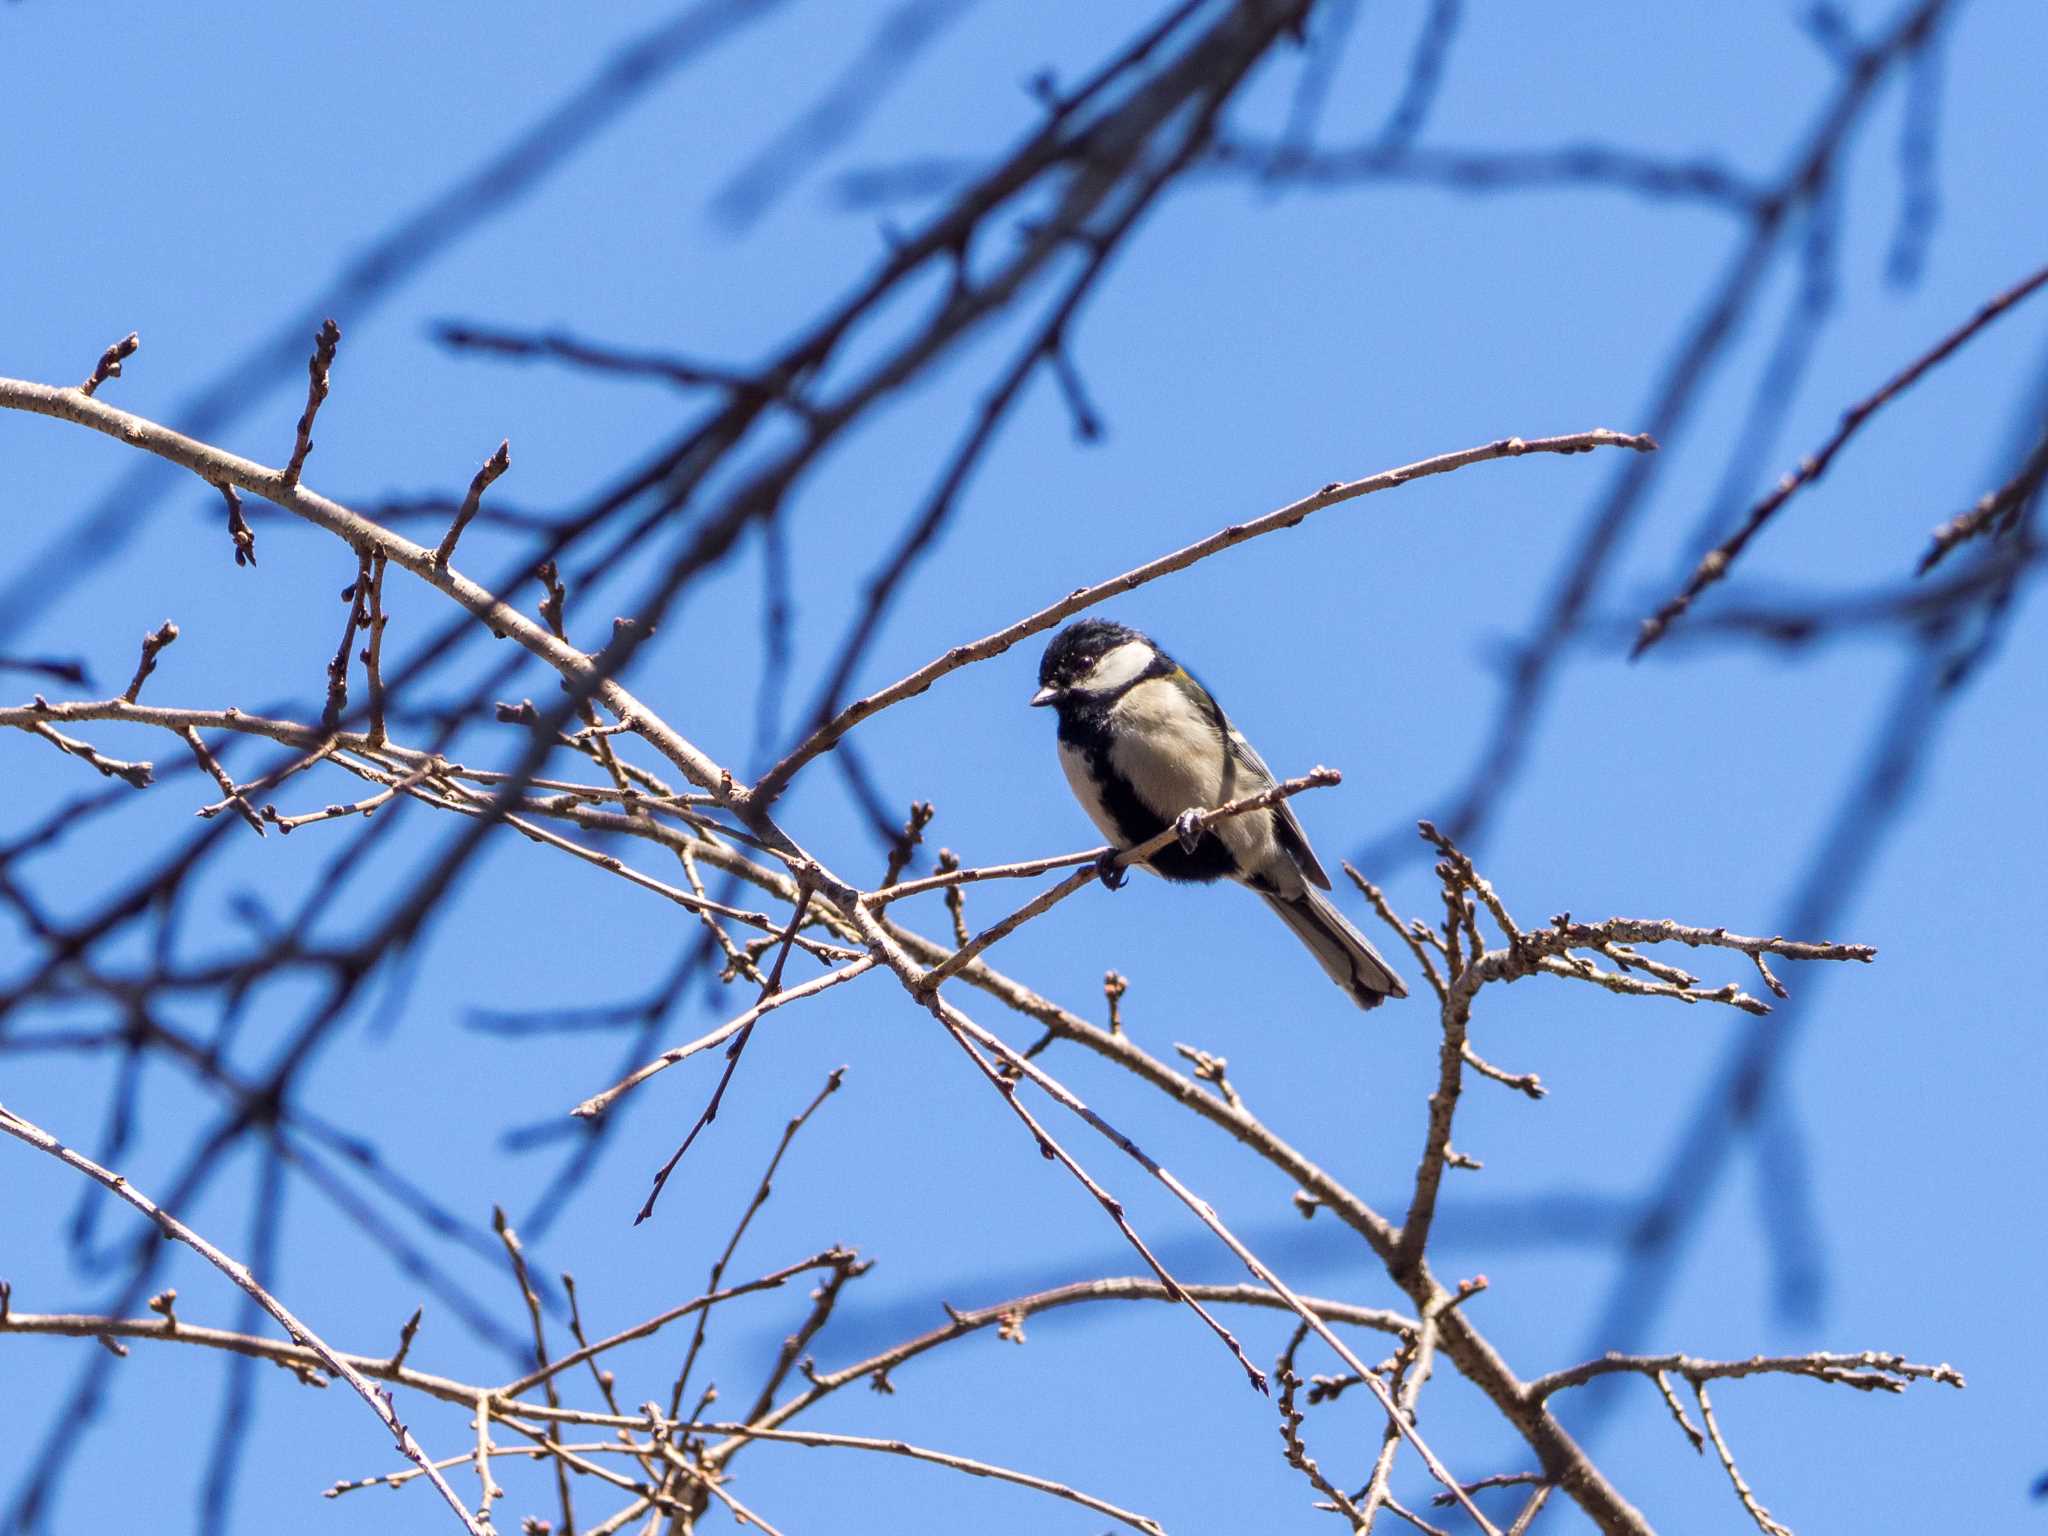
[1345,954]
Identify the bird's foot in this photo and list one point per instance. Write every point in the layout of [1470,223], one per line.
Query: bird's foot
[1187,826]
[1111,873]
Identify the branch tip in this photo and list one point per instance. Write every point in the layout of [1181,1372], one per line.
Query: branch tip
[493,467]
[109,365]
[318,369]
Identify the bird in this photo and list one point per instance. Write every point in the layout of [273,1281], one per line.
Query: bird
[1143,744]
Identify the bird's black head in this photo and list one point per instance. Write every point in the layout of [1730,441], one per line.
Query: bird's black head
[1071,661]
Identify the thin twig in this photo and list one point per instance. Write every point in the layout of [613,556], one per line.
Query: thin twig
[170,1226]
[1296,1451]
[1377,900]
[734,1051]
[1714,566]
[373,653]
[152,643]
[1698,1440]
[308,1363]
[947,878]
[907,970]
[219,775]
[830,1258]
[489,1491]
[1867,1370]
[1053,1151]
[516,1252]
[109,365]
[356,595]
[1498,1480]
[749,1431]
[480,482]
[1997,512]
[1757,1512]
[598,1103]
[760,1198]
[139,775]
[822,740]
[1532,1509]
[318,369]
[238,526]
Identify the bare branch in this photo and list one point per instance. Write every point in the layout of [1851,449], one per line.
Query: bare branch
[309,1367]
[1714,567]
[598,1103]
[220,467]
[760,1198]
[957,1022]
[805,890]
[1996,513]
[752,1431]
[356,595]
[1532,1509]
[1868,1371]
[559,346]
[1413,936]
[1757,1512]
[1120,858]
[516,1252]
[487,1486]
[373,654]
[830,1258]
[1290,1436]
[1053,1151]
[1697,1440]
[139,775]
[949,877]
[43,1141]
[1498,1480]
[822,740]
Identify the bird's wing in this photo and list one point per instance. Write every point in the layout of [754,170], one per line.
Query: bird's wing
[1286,826]
[1258,776]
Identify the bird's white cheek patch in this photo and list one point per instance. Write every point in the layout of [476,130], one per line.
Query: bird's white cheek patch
[1119,667]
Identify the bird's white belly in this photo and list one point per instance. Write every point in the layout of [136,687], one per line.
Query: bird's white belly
[1074,763]
[1171,753]
[1175,760]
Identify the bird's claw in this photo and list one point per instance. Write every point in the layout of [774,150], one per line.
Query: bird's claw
[1187,826]
[1111,873]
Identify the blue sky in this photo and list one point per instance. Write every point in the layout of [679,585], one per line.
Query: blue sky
[203,179]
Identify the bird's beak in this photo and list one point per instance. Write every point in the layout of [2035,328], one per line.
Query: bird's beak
[1047,695]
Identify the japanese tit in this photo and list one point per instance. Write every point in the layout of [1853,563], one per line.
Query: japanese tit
[1141,742]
